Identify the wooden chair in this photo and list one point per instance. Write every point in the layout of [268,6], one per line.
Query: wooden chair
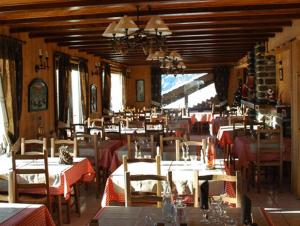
[199,144]
[168,143]
[7,188]
[70,143]
[131,138]
[22,189]
[87,145]
[36,146]
[239,125]
[145,197]
[156,160]
[269,142]
[223,178]
[112,130]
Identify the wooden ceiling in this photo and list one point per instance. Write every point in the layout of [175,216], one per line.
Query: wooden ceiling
[204,31]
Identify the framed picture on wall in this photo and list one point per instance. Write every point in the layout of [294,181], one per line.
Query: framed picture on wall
[37,95]
[93,98]
[140,90]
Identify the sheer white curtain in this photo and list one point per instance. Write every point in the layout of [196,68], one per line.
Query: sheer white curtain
[116,99]
[4,140]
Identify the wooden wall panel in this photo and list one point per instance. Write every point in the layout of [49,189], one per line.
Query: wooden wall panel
[136,73]
[284,90]
[30,121]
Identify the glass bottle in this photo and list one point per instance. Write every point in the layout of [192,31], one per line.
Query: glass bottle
[167,205]
[210,154]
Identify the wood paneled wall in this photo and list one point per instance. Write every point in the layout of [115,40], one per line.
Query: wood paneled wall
[137,73]
[30,121]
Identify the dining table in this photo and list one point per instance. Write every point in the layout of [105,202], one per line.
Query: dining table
[146,215]
[106,151]
[182,177]
[18,214]
[245,149]
[62,177]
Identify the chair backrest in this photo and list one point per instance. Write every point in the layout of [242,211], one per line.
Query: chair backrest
[112,130]
[154,127]
[95,122]
[72,144]
[131,138]
[198,144]
[239,126]
[35,146]
[169,139]
[145,197]
[156,160]
[223,178]
[41,184]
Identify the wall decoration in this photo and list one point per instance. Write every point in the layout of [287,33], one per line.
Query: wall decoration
[140,90]
[93,98]
[280,71]
[37,95]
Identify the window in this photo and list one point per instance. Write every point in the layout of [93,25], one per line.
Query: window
[116,103]
[76,95]
[186,89]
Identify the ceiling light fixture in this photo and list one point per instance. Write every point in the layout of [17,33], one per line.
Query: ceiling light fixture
[169,64]
[126,34]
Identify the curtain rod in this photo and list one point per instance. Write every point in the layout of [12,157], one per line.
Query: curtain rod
[6,36]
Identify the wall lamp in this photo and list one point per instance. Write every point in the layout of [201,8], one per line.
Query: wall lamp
[43,61]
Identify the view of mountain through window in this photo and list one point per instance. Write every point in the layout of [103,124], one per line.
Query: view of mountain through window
[175,88]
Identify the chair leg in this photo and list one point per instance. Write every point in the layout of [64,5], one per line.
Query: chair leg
[77,201]
[59,210]
[68,208]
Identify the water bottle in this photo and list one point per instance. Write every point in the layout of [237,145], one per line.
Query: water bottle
[167,205]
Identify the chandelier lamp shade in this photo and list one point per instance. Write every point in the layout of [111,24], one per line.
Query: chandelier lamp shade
[169,64]
[126,34]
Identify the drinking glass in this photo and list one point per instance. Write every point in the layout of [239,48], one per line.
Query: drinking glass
[180,215]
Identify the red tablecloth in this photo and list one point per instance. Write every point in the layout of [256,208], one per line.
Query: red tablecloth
[25,215]
[225,136]
[109,158]
[245,149]
[61,177]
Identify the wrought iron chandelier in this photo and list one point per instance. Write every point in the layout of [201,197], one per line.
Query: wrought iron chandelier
[126,34]
[169,64]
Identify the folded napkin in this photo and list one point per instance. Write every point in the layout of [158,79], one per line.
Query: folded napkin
[204,188]
[246,210]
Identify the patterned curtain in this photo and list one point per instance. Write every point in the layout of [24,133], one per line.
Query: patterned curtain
[11,66]
[83,70]
[156,83]
[106,82]
[221,76]
[64,88]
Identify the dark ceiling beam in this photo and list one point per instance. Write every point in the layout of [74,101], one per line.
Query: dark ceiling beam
[175,32]
[177,40]
[26,27]
[171,26]
[229,42]
[60,4]
[267,9]
[70,4]
[98,37]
